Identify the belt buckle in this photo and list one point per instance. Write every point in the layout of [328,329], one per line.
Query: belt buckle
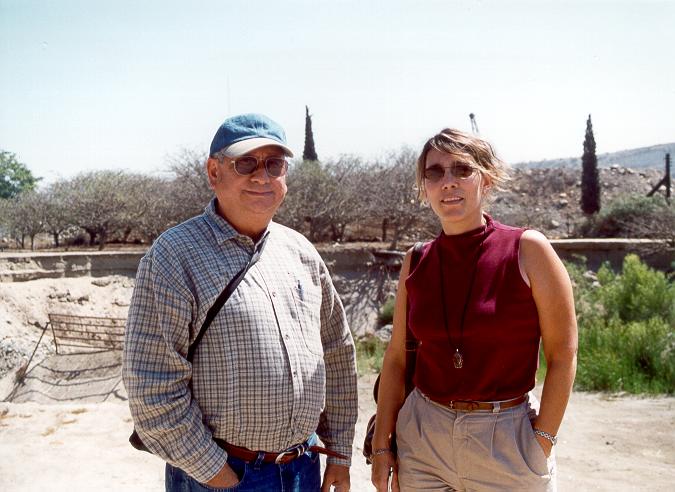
[451,405]
[298,450]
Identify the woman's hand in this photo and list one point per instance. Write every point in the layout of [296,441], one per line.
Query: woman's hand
[384,472]
[545,444]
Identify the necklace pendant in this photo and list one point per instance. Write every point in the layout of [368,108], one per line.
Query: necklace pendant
[457,360]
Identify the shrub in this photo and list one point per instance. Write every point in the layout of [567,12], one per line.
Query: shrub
[637,357]
[626,334]
[369,354]
[633,216]
[639,293]
[386,314]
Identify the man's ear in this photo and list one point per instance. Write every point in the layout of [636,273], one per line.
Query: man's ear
[212,171]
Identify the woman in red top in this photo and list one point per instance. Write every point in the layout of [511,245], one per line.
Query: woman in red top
[480,300]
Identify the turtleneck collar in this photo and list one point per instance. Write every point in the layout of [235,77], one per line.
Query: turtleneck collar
[477,232]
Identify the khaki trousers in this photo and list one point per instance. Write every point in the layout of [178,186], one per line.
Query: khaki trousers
[448,450]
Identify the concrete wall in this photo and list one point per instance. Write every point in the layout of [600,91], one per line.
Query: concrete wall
[16,267]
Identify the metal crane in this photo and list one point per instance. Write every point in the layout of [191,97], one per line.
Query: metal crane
[474,125]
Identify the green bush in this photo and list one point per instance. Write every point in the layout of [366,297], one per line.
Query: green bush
[626,334]
[386,314]
[637,357]
[369,354]
[635,216]
[639,293]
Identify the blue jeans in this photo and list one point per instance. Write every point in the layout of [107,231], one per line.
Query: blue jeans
[303,474]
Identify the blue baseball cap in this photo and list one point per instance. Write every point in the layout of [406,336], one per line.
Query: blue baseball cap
[241,134]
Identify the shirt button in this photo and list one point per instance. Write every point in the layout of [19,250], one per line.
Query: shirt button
[274,294]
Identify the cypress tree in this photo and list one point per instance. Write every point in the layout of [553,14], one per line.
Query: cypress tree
[590,181]
[309,152]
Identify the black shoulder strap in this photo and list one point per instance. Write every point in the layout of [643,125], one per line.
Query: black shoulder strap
[225,295]
[410,340]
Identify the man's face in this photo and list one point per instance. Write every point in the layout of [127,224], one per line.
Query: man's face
[247,202]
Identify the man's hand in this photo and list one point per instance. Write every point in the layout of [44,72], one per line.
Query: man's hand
[224,479]
[384,472]
[337,476]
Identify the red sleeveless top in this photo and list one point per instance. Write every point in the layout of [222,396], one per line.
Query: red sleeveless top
[500,338]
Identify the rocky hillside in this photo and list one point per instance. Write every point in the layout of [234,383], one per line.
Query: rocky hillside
[640,158]
[548,198]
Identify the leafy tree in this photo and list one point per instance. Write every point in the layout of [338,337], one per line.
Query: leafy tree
[309,152]
[15,177]
[54,211]
[22,218]
[324,196]
[189,190]
[97,202]
[151,206]
[395,202]
[590,181]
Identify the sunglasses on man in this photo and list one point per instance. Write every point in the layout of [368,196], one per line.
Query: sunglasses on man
[248,164]
[436,172]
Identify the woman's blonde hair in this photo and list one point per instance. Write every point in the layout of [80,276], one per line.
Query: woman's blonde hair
[456,142]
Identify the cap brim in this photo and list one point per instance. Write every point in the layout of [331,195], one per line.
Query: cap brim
[245,146]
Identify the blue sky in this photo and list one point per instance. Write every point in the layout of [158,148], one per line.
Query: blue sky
[124,84]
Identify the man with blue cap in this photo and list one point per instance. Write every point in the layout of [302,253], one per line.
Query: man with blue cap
[242,404]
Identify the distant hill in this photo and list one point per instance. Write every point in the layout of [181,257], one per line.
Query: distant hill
[644,157]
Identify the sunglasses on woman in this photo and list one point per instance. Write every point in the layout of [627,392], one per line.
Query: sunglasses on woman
[248,164]
[436,172]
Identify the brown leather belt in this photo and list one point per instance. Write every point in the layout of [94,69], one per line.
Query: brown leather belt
[470,406]
[280,458]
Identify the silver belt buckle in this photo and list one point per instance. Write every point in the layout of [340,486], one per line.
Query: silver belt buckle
[297,450]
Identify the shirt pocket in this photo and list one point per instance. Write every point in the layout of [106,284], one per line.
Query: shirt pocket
[307,298]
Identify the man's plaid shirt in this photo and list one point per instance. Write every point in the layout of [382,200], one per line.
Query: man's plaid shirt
[276,364]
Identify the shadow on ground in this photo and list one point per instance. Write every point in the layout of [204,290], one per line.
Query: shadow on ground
[91,377]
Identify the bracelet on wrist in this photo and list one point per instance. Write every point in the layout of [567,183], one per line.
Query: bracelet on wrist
[547,436]
[379,451]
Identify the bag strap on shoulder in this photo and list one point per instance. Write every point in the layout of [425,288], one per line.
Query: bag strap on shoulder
[225,295]
[411,342]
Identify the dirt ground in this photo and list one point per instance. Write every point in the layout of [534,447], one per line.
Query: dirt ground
[606,443]
[66,427]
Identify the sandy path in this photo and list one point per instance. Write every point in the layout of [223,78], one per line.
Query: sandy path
[71,432]
[606,444]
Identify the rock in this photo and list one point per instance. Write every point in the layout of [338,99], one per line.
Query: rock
[384,333]
[562,195]
[83,299]
[555,224]
[101,282]
[121,302]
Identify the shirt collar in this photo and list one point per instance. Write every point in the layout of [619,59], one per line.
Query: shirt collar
[222,229]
